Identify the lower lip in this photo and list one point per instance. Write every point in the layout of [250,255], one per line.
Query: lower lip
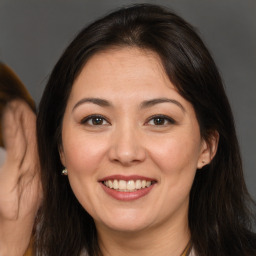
[127,196]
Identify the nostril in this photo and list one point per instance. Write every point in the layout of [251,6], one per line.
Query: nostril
[128,153]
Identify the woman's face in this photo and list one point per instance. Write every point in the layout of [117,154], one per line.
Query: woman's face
[131,142]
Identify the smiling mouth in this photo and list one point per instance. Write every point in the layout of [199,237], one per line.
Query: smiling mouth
[127,186]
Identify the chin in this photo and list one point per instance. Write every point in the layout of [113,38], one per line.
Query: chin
[127,227]
[127,223]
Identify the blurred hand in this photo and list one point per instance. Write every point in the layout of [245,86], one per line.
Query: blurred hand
[20,186]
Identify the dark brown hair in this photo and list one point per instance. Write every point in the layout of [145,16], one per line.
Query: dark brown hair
[219,216]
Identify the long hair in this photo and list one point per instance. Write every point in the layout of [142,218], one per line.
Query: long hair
[219,213]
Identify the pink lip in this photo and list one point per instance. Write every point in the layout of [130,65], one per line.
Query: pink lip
[126,178]
[127,196]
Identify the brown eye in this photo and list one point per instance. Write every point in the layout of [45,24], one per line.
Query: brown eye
[95,120]
[160,120]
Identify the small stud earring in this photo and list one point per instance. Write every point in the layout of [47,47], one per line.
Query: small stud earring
[64,172]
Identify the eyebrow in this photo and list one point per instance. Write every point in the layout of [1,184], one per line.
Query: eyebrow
[97,101]
[150,103]
[144,104]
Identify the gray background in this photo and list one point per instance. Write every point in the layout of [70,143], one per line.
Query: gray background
[33,34]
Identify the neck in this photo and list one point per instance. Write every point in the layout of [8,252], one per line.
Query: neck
[162,240]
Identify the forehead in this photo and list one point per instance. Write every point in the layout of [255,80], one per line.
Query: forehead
[120,69]
[125,78]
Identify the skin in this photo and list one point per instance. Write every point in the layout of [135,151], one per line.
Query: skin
[20,186]
[129,141]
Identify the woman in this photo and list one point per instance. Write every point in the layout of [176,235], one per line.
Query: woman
[20,187]
[135,115]
[136,120]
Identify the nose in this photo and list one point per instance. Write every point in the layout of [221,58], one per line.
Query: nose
[127,146]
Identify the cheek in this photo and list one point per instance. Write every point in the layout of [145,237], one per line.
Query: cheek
[83,154]
[177,155]
[177,159]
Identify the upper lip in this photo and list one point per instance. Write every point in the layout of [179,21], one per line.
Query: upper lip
[126,178]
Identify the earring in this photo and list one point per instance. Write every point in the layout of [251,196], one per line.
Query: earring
[64,172]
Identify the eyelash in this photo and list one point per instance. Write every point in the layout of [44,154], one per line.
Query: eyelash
[94,117]
[164,118]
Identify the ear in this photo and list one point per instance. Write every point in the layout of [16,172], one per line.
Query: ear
[62,155]
[208,149]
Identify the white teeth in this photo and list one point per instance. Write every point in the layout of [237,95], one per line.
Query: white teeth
[138,184]
[130,185]
[127,186]
[122,184]
[115,184]
[110,184]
